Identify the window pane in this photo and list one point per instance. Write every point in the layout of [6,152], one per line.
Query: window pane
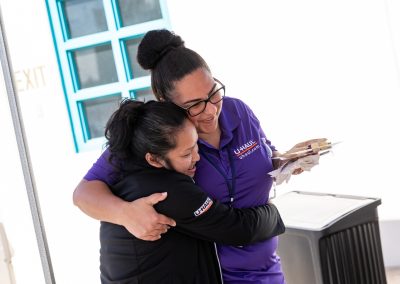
[138,11]
[131,48]
[84,17]
[144,95]
[95,66]
[97,112]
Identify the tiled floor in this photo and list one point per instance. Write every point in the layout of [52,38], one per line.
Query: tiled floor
[393,275]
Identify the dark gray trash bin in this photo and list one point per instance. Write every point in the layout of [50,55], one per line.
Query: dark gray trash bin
[330,239]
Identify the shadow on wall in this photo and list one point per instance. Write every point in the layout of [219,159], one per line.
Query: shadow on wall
[390,234]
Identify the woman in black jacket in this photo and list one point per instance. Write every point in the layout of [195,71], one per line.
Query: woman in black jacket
[154,146]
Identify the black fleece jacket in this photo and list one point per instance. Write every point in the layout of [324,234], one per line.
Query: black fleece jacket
[186,253]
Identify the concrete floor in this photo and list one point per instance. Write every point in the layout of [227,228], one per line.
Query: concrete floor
[393,275]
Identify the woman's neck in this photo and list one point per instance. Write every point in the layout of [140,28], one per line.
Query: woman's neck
[212,138]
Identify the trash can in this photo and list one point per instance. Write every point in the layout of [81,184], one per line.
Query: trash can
[330,239]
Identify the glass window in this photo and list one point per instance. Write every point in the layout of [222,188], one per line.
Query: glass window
[96,43]
[132,48]
[95,66]
[144,95]
[139,11]
[97,112]
[84,17]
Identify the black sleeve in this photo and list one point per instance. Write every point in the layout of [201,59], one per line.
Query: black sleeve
[199,216]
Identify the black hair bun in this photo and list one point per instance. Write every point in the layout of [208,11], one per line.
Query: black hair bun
[154,45]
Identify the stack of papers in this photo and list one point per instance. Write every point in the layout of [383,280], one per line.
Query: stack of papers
[304,158]
[284,172]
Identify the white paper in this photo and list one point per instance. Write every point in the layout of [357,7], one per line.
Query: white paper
[284,172]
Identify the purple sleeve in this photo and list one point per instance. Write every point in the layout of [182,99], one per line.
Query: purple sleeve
[103,170]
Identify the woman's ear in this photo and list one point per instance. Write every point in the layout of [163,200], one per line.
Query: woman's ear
[153,161]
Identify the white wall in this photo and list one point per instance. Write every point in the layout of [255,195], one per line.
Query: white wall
[308,69]
[72,236]
[311,69]
[14,207]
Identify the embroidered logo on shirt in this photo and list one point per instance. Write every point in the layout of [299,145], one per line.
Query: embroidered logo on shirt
[204,207]
[246,149]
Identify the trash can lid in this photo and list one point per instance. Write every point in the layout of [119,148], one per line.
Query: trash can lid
[316,211]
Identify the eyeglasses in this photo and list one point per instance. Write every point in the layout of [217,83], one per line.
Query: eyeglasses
[214,97]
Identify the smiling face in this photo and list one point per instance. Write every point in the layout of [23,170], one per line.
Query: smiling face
[184,156]
[193,88]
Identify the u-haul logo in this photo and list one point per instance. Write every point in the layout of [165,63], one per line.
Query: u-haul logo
[204,207]
[246,149]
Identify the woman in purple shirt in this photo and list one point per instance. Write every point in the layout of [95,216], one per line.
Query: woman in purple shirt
[234,165]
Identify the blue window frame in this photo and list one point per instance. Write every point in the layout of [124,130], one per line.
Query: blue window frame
[96,44]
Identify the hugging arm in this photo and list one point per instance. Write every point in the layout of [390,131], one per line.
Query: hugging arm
[96,200]
[199,216]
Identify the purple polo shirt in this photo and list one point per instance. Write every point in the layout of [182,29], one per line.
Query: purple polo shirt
[250,160]
[245,152]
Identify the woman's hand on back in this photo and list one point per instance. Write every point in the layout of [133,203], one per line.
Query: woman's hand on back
[96,200]
[141,219]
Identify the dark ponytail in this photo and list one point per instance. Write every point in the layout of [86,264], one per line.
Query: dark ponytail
[137,128]
[165,54]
